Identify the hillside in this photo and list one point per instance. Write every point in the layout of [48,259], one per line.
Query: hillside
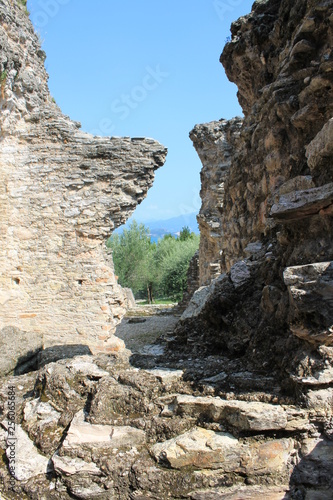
[159,228]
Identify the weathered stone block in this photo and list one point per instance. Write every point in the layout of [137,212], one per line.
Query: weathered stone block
[69,466]
[299,204]
[320,150]
[199,448]
[242,415]
[311,301]
[28,461]
[82,433]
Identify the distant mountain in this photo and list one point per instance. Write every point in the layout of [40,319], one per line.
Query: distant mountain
[158,228]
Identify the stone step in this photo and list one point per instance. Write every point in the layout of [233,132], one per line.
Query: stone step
[242,416]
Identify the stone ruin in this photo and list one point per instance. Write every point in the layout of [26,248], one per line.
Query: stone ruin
[62,194]
[240,405]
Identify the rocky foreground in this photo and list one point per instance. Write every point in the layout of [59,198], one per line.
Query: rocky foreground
[99,427]
[151,424]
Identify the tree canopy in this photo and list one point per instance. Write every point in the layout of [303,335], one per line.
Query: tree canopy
[159,267]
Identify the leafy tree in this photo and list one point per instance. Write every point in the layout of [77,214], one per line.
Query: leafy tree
[131,256]
[186,234]
[154,268]
[173,269]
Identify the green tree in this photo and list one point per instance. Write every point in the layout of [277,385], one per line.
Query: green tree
[186,234]
[132,256]
[174,265]
[148,267]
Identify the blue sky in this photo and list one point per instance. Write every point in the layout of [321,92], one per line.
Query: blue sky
[146,68]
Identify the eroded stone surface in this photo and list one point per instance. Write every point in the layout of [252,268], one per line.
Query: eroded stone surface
[299,204]
[320,149]
[28,461]
[69,466]
[19,350]
[62,194]
[242,415]
[215,144]
[107,436]
[243,493]
[199,448]
[311,300]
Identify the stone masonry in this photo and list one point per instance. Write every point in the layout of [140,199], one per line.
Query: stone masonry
[236,402]
[62,194]
[215,144]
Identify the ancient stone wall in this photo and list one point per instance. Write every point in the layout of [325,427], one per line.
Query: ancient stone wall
[269,315]
[215,144]
[280,57]
[62,193]
[271,306]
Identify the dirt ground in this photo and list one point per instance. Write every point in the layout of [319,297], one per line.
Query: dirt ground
[143,325]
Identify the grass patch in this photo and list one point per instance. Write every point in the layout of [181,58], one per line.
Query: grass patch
[3,78]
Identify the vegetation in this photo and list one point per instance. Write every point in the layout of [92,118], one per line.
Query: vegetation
[3,79]
[153,270]
[24,4]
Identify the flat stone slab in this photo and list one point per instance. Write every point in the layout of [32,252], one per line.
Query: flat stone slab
[299,204]
[205,449]
[95,435]
[28,461]
[153,350]
[70,466]
[242,415]
[166,376]
[85,366]
[243,493]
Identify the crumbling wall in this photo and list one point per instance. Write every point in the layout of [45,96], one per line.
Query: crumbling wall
[280,57]
[62,193]
[271,306]
[216,145]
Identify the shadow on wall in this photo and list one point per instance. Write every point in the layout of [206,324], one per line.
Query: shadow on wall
[312,478]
